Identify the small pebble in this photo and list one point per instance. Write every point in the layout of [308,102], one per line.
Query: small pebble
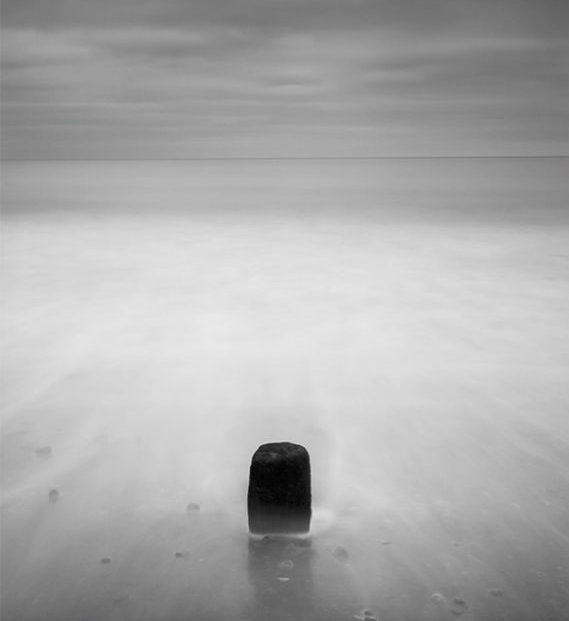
[181,554]
[341,554]
[43,451]
[53,495]
[497,592]
[458,606]
[385,542]
[283,578]
[192,506]
[105,560]
[286,565]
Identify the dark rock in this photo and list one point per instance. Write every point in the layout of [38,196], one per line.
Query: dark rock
[279,497]
[192,506]
[105,560]
[53,495]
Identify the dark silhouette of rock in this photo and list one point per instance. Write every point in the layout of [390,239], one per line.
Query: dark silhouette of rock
[279,497]
[53,495]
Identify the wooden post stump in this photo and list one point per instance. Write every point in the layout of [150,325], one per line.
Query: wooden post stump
[279,497]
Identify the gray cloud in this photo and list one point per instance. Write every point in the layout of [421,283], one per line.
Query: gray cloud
[250,76]
[544,16]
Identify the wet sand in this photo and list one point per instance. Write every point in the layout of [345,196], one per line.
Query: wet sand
[484,541]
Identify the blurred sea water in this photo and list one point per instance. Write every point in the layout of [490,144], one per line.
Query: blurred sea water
[405,320]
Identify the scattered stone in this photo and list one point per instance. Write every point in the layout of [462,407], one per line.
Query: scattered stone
[279,495]
[192,506]
[105,560]
[341,554]
[283,578]
[44,452]
[53,495]
[497,592]
[385,542]
[438,597]
[181,554]
[458,606]
[286,565]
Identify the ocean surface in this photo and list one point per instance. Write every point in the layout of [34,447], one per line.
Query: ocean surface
[405,320]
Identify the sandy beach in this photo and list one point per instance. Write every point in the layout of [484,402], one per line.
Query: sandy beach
[405,321]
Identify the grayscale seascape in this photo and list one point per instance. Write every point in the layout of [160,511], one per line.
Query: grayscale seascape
[284,310]
[405,320]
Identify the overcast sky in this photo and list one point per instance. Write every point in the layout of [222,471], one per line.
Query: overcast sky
[203,78]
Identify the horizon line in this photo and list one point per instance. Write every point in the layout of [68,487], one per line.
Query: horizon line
[283,158]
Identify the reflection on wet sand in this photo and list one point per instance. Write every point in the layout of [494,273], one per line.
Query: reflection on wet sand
[280,572]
